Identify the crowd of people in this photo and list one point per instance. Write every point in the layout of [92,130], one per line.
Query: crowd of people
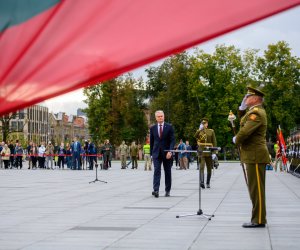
[48,156]
[85,155]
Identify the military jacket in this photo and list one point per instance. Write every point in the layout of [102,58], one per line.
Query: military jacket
[206,138]
[252,136]
[123,149]
[134,150]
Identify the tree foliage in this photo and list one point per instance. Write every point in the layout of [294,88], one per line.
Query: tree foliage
[280,73]
[116,111]
[190,86]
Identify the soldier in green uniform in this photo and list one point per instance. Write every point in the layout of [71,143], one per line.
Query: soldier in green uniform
[134,154]
[205,138]
[251,139]
[123,151]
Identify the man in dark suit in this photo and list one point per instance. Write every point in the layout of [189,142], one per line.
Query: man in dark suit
[76,149]
[161,139]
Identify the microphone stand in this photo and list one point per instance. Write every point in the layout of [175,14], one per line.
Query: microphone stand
[96,166]
[200,211]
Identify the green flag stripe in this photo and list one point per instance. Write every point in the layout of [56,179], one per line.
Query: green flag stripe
[14,12]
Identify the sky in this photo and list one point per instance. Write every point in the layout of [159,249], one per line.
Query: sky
[283,26]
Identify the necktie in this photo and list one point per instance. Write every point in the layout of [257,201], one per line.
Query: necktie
[160,131]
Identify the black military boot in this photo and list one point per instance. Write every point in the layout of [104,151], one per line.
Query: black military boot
[208,180]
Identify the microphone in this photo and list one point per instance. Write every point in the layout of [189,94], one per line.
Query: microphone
[213,148]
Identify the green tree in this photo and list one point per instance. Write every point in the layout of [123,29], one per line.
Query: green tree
[116,110]
[167,88]
[220,81]
[279,73]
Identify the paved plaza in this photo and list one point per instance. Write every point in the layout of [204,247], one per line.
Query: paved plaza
[54,209]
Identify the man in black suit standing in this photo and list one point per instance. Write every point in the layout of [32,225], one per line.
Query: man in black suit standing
[161,139]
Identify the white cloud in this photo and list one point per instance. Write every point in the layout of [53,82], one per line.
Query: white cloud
[68,103]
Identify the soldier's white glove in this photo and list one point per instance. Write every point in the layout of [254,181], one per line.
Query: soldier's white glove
[233,139]
[243,105]
[213,156]
[201,126]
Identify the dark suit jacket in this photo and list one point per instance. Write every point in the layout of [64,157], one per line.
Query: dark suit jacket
[167,141]
[78,149]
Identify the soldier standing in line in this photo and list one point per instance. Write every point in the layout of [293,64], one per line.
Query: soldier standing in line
[107,147]
[134,154]
[254,152]
[123,152]
[205,138]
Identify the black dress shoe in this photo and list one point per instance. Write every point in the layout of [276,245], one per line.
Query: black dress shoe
[252,225]
[167,194]
[207,185]
[202,185]
[155,194]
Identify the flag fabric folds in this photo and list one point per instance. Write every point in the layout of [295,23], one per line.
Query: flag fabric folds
[282,145]
[51,47]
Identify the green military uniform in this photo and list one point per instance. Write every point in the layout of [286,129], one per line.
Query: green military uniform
[254,153]
[134,154]
[205,138]
[123,151]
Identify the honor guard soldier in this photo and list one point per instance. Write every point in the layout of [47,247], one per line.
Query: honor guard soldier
[254,152]
[205,138]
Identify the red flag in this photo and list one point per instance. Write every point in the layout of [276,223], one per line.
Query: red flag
[282,145]
[51,47]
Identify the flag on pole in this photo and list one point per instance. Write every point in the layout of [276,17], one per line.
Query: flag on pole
[51,47]
[282,145]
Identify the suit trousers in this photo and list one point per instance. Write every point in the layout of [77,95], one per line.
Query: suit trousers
[76,160]
[256,174]
[157,173]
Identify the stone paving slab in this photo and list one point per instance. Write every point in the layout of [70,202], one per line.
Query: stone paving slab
[59,209]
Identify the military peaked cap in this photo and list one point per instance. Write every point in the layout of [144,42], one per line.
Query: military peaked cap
[254,91]
[204,120]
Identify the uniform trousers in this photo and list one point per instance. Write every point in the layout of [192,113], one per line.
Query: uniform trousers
[209,163]
[256,174]
[123,161]
[134,161]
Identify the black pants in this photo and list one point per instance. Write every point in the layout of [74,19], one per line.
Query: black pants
[19,161]
[157,172]
[61,161]
[41,162]
[6,163]
[33,161]
[106,161]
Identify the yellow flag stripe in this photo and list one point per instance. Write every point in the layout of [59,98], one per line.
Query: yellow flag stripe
[259,194]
